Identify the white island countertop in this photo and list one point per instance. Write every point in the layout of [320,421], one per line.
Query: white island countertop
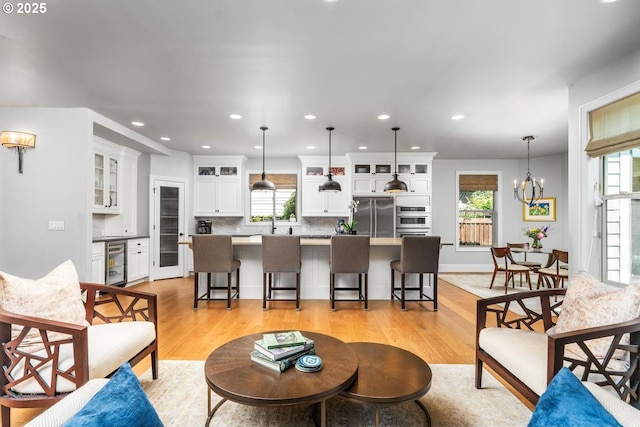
[257,241]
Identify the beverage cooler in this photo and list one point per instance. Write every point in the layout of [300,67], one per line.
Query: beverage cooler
[116,259]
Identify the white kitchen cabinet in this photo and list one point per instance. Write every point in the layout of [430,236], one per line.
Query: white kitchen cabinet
[137,259]
[316,203]
[106,177]
[126,223]
[218,184]
[322,203]
[98,263]
[370,173]
[417,175]
[370,184]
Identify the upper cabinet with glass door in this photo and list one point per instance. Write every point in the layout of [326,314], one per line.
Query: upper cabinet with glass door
[317,203]
[218,186]
[415,172]
[371,171]
[106,177]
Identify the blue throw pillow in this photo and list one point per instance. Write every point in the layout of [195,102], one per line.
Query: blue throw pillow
[120,403]
[568,403]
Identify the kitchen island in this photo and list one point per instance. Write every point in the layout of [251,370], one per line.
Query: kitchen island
[314,276]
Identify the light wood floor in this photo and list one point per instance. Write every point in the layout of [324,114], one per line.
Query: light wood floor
[445,336]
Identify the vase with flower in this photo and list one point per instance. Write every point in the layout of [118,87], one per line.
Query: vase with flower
[536,234]
[349,226]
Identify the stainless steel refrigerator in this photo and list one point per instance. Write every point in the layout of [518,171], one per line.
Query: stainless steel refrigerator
[374,216]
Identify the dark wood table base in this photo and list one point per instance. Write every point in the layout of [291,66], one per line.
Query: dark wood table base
[388,375]
[230,373]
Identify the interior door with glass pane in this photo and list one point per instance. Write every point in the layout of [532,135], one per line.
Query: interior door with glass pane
[168,229]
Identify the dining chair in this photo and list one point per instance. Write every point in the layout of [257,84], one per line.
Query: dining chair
[557,272]
[524,247]
[503,262]
[280,254]
[214,254]
[418,255]
[350,254]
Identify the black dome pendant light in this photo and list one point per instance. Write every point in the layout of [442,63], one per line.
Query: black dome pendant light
[330,184]
[264,184]
[395,185]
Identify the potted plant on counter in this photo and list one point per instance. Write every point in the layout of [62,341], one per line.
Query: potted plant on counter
[349,227]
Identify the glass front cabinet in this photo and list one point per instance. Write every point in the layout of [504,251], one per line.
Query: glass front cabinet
[106,178]
[316,203]
[218,186]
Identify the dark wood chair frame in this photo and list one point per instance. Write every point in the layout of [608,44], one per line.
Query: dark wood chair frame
[504,254]
[432,272]
[104,304]
[358,263]
[626,383]
[233,291]
[557,259]
[363,292]
[420,289]
[284,263]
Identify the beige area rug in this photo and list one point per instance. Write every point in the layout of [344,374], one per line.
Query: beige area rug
[180,397]
[478,284]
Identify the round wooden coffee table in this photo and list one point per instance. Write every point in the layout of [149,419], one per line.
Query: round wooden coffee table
[388,375]
[231,374]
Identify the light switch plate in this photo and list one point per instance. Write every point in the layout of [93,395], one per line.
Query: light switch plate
[56,225]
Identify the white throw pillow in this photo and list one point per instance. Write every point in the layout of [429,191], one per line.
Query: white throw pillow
[57,296]
[589,303]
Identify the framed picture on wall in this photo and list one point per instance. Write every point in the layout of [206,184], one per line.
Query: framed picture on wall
[541,210]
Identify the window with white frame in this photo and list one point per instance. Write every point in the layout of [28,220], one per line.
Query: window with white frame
[282,202]
[476,226]
[621,217]
[614,135]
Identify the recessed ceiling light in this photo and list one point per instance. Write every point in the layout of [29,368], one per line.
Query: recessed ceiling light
[258,147]
[415,147]
[137,123]
[362,147]
[235,116]
[329,1]
[165,138]
[383,116]
[310,147]
[457,117]
[608,1]
[309,116]
[206,146]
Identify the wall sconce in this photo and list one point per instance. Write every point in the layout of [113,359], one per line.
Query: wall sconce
[18,140]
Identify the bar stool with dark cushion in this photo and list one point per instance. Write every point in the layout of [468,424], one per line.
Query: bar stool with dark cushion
[214,254]
[280,254]
[418,255]
[350,254]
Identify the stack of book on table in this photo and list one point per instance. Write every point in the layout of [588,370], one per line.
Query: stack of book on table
[281,350]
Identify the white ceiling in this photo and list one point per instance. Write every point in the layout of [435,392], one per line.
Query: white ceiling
[183,66]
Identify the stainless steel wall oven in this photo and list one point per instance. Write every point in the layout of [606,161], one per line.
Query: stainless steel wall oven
[413,221]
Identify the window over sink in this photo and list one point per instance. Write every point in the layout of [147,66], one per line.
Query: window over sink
[283,201]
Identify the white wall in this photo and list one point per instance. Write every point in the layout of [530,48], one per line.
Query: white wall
[599,88]
[511,226]
[53,187]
